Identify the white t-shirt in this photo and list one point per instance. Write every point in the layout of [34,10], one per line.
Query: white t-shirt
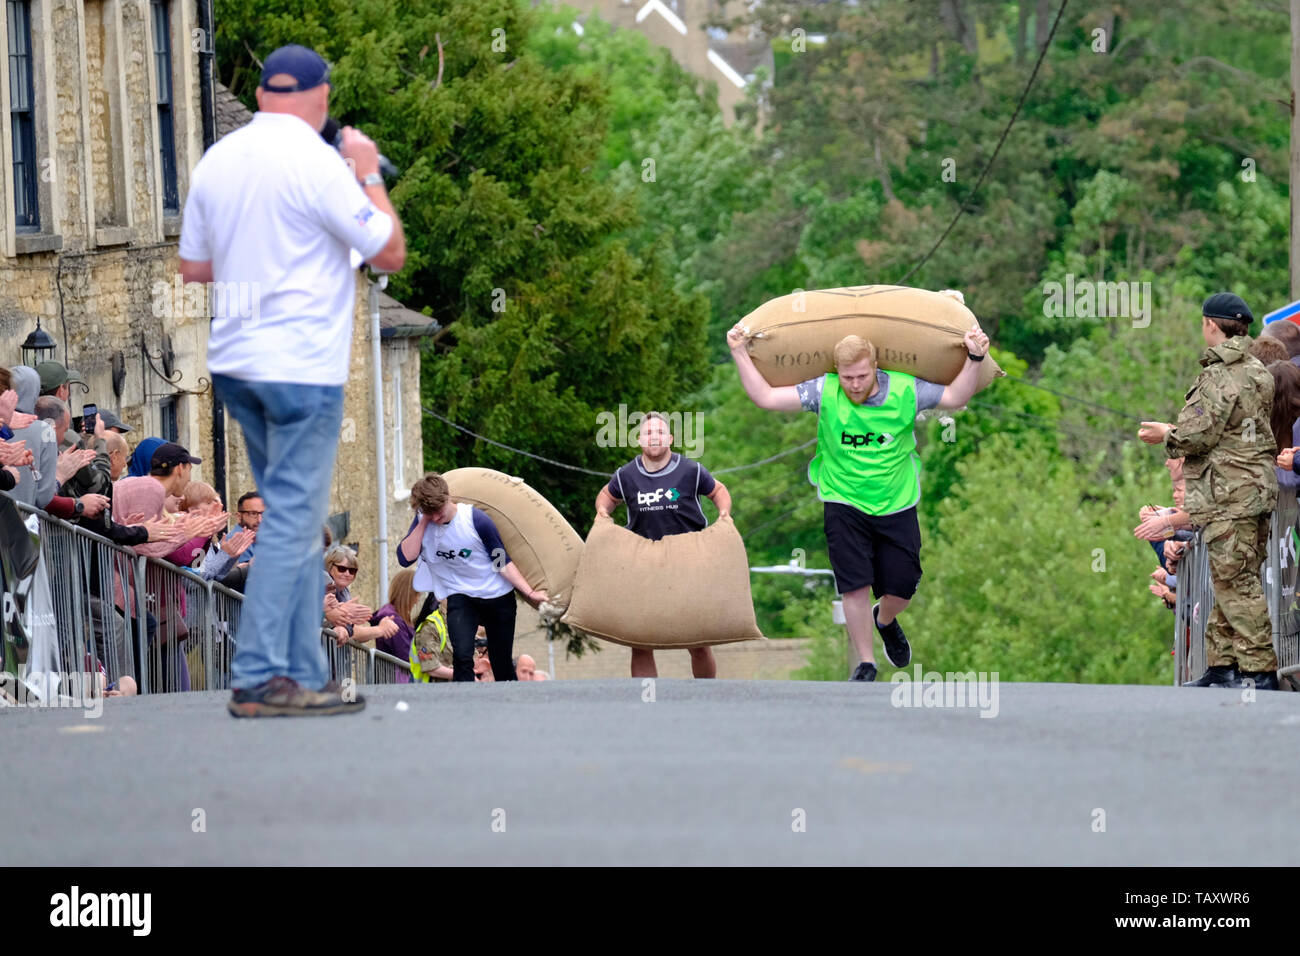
[454,558]
[276,210]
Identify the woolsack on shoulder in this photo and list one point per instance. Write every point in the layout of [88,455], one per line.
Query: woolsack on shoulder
[914,331]
[684,590]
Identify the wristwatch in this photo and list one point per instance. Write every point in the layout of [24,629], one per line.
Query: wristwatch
[974,358]
[78,507]
[373,179]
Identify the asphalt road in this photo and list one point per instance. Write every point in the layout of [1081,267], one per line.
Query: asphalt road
[710,772]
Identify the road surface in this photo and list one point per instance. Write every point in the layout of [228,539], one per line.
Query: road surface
[709,772]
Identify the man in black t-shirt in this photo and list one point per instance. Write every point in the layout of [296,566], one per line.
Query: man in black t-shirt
[662,493]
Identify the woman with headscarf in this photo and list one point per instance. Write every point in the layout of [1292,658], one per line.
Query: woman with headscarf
[142,457]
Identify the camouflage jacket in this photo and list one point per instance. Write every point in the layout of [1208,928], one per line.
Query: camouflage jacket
[95,478]
[1224,436]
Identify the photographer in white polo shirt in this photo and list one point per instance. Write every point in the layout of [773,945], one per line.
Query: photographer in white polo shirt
[272,214]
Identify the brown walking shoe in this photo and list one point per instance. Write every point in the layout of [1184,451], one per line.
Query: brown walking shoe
[282,697]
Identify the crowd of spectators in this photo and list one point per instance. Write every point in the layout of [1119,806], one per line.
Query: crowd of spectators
[525,666]
[144,499]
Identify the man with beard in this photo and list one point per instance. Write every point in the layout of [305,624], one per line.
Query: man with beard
[662,491]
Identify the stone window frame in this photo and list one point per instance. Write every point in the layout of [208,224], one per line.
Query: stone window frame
[44,96]
[117,54]
[187,41]
[159,74]
[171,408]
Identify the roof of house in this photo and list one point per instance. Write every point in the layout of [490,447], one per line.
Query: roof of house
[745,56]
[395,319]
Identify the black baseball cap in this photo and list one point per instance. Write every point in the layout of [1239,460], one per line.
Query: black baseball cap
[170,453]
[307,67]
[1228,305]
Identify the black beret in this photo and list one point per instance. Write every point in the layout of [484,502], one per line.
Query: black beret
[1228,305]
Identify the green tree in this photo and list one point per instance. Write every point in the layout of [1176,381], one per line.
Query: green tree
[692,179]
[1042,580]
[513,239]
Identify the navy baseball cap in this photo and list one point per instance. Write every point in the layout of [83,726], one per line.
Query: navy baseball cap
[170,453]
[308,69]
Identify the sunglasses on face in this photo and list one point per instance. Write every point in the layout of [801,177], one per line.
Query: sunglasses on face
[344,567]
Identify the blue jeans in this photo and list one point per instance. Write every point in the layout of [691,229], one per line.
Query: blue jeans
[292,434]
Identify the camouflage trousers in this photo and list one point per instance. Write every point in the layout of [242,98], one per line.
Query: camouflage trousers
[1239,630]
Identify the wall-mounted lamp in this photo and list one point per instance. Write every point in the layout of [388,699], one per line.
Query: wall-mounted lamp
[38,346]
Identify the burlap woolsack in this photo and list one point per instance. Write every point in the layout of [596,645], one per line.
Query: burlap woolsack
[685,590]
[914,331]
[539,541]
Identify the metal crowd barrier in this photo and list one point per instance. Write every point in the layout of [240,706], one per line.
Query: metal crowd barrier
[1195,594]
[1194,599]
[78,604]
[1280,581]
[365,665]
[98,605]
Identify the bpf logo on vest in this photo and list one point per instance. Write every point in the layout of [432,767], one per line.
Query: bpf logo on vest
[650,498]
[870,438]
[453,555]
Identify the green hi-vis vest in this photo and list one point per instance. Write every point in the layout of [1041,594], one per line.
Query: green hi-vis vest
[866,454]
[423,653]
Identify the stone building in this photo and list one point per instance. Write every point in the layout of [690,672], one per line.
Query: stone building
[105,124]
[728,59]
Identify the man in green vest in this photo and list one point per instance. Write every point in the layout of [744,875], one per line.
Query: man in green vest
[868,474]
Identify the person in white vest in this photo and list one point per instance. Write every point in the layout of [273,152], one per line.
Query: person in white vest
[463,561]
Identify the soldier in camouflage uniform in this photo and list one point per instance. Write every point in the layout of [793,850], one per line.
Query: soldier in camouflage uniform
[1223,435]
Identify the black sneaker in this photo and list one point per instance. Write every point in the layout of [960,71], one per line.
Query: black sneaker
[897,650]
[282,697]
[866,671]
[1262,680]
[1224,675]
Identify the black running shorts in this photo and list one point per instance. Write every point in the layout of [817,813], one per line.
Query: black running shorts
[883,552]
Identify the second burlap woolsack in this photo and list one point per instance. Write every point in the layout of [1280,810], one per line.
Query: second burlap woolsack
[539,541]
[684,590]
